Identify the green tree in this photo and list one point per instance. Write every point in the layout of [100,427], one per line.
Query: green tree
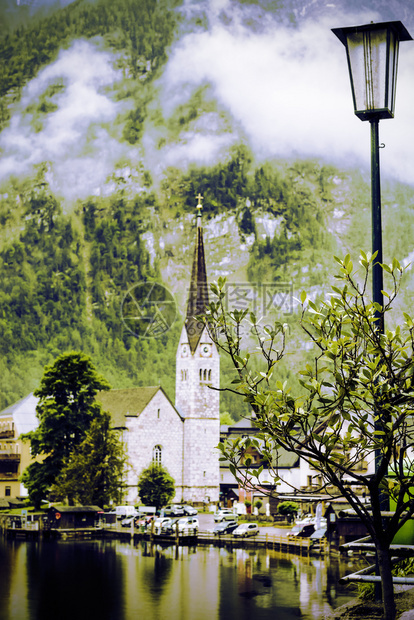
[95,471]
[226,419]
[356,404]
[65,410]
[288,508]
[155,486]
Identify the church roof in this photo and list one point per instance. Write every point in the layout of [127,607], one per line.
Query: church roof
[198,294]
[128,402]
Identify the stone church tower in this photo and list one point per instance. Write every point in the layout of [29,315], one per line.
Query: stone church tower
[198,368]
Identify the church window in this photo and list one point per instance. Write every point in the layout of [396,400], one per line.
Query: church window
[158,414]
[205,374]
[156,455]
[201,374]
[209,375]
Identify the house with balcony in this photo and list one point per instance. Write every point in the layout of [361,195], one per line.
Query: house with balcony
[15,455]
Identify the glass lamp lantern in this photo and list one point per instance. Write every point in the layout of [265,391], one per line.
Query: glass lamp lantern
[372,53]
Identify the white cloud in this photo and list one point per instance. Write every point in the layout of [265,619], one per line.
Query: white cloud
[288,88]
[73,137]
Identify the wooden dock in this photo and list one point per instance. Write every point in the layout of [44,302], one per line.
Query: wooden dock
[285,544]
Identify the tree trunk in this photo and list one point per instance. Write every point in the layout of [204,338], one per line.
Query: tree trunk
[384,563]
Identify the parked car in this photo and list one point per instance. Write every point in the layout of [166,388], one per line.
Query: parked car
[187,525]
[225,527]
[175,510]
[318,534]
[310,519]
[246,529]
[304,520]
[224,515]
[122,512]
[189,510]
[162,525]
[302,530]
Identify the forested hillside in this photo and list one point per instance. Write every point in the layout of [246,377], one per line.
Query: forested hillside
[66,266]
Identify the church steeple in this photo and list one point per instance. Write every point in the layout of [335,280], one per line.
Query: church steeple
[198,294]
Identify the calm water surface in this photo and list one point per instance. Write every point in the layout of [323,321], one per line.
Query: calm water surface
[119,581]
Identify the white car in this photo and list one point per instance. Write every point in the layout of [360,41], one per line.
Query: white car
[189,510]
[188,525]
[246,529]
[224,515]
[162,524]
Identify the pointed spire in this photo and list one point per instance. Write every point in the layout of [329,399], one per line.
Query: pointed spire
[198,295]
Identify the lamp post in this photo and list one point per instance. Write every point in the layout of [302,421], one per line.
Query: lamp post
[372,54]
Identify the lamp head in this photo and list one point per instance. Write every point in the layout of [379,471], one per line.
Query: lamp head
[372,54]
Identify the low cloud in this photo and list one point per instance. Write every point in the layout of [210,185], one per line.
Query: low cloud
[76,137]
[288,88]
[283,89]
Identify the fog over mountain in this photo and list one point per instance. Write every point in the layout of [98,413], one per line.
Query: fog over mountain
[272,75]
[287,88]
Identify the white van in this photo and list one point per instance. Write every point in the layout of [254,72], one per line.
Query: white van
[125,511]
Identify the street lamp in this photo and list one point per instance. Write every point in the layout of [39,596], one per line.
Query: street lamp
[372,53]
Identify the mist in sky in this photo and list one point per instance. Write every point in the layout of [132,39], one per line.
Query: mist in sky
[288,88]
[79,138]
[281,87]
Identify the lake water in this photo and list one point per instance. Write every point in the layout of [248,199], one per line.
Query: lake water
[86,580]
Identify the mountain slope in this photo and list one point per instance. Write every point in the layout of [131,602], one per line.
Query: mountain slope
[105,146]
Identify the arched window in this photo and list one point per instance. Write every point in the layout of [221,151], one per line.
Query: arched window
[205,374]
[156,455]
[201,374]
[209,375]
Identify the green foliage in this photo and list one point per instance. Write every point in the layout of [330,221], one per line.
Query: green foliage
[226,419]
[355,404]
[156,486]
[143,29]
[42,277]
[301,200]
[93,473]
[66,410]
[288,508]
[37,480]
[366,591]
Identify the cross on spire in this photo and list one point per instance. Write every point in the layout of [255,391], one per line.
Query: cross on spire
[199,208]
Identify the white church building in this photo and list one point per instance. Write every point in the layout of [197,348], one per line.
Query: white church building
[181,436]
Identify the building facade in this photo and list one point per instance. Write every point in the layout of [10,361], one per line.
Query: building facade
[14,453]
[182,437]
[197,388]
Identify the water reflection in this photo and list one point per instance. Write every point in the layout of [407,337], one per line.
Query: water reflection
[119,581]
